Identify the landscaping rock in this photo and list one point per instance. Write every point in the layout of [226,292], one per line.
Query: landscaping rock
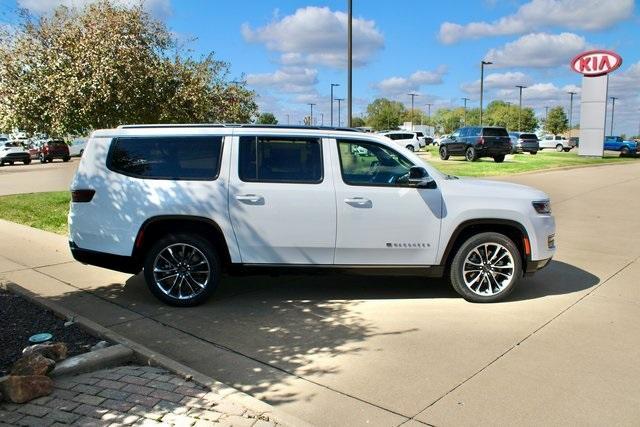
[33,364]
[55,351]
[23,388]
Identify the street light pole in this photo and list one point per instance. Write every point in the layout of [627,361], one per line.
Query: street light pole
[350,61]
[311,104]
[482,64]
[465,110]
[412,95]
[287,119]
[613,110]
[570,110]
[321,119]
[546,113]
[339,101]
[520,107]
[332,86]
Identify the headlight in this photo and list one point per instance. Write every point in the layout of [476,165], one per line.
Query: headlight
[543,207]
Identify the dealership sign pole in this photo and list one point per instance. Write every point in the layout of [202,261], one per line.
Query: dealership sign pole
[595,66]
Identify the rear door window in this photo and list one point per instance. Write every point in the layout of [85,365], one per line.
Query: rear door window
[173,157]
[280,159]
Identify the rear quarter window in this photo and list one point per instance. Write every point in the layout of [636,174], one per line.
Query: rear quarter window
[175,157]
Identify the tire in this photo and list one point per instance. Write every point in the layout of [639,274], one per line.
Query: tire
[533,153]
[27,161]
[10,163]
[200,286]
[624,151]
[42,159]
[1,164]
[490,288]
[81,152]
[559,148]
[498,159]
[66,159]
[566,150]
[50,160]
[411,148]
[470,154]
[444,153]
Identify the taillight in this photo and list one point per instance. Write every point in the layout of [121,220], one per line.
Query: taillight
[480,141]
[82,196]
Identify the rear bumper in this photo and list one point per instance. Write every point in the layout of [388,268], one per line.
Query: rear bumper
[125,264]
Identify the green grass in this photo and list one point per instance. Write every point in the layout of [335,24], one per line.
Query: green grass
[46,211]
[547,159]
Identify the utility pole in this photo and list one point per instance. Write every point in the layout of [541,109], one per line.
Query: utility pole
[311,104]
[339,118]
[321,119]
[520,107]
[465,110]
[412,95]
[350,61]
[429,113]
[570,111]
[546,113]
[332,86]
[482,64]
[613,110]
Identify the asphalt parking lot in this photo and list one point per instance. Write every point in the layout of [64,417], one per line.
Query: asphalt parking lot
[37,177]
[564,348]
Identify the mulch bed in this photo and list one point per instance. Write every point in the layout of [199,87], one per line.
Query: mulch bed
[19,319]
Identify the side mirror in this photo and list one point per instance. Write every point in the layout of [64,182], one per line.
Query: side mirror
[419,178]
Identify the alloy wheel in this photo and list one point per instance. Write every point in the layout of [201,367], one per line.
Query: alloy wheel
[488,269]
[181,271]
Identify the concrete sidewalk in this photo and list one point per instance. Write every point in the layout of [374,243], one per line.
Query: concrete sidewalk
[336,350]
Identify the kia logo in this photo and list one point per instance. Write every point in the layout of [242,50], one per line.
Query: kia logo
[596,63]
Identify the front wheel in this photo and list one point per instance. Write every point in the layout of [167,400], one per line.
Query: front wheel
[444,153]
[486,268]
[182,269]
[624,151]
[66,159]
[533,153]
[410,148]
[470,154]
[498,159]
[27,161]
[559,148]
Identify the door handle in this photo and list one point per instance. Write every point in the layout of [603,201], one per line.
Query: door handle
[360,202]
[250,198]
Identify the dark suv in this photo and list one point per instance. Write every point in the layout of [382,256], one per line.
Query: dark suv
[474,142]
[53,149]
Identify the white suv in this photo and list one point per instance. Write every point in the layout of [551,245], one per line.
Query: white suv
[558,142]
[408,140]
[187,203]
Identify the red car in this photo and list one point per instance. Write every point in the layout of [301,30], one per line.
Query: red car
[48,150]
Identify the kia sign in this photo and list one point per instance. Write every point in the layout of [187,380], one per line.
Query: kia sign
[596,63]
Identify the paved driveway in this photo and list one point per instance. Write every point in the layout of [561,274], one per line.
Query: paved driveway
[340,350]
[37,177]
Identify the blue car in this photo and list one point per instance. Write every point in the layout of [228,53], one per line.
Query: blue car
[616,143]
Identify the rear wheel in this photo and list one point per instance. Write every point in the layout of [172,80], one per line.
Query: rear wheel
[486,268]
[534,152]
[26,161]
[11,163]
[410,148]
[470,154]
[498,159]
[81,152]
[624,151]
[182,269]
[444,153]
[559,148]
[66,159]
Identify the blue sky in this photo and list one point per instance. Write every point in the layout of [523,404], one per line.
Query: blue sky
[290,51]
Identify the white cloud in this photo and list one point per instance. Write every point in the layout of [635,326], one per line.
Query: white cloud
[497,81]
[536,14]
[547,92]
[286,79]
[159,8]
[317,35]
[623,83]
[538,50]
[403,85]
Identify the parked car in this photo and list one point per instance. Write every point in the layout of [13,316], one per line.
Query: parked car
[52,149]
[424,140]
[559,142]
[574,141]
[474,142]
[441,138]
[616,143]
[409,140]
[77,146]
[523,142]
[202,200]
[11,152]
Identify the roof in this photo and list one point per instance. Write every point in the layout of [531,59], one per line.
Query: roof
[231,125]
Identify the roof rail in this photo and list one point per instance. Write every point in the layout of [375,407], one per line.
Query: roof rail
[243,125]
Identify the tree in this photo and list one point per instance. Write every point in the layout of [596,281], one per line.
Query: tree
[106,65]
[385,114]
[499,113]
[556,122]
[358,122]
[267,119]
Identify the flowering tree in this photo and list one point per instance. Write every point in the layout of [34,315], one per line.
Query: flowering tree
[106,65]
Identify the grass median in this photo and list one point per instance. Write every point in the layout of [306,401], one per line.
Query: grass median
[46,211]
[517,163]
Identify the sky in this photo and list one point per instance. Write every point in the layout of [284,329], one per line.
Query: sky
[290,51]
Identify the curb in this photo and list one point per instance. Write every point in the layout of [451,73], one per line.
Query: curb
[95,360]
[146,356]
